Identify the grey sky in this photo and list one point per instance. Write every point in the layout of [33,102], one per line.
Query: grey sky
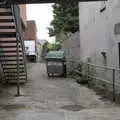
[42,14]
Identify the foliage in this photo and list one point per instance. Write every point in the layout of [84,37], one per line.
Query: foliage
[66,17]
[45,46]
[50,46]
[80,71]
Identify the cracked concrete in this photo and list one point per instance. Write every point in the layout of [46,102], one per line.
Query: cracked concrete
[45,98]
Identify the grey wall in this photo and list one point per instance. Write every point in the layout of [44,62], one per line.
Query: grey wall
[72,46]
[97,32]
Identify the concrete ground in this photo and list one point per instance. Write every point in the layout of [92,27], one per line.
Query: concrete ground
[46,98]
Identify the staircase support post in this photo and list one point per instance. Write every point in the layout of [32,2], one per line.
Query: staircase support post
[18,79]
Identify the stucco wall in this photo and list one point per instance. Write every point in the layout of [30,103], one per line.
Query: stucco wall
[97,32]
[72,45]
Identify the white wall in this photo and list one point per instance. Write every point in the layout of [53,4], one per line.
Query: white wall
[97,31]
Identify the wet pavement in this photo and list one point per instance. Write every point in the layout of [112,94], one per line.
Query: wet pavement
[44,98]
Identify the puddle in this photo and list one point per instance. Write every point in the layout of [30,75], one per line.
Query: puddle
[73,107]
[10,107]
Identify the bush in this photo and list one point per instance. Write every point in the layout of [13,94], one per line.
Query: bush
[80,71]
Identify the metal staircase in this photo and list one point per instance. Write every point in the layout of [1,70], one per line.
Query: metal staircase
[12,57]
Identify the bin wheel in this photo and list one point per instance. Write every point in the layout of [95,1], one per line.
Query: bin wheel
[48,74]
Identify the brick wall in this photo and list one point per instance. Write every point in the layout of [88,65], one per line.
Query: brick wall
[30,32]
[23,13]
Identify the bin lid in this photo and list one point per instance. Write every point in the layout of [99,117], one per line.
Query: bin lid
[55,55]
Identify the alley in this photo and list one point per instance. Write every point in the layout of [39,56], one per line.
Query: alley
[44,98]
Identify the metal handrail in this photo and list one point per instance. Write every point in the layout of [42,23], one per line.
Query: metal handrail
[16,13]
[95,65]
[105,67]
[114,83]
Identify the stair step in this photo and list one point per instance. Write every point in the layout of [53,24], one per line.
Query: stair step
[2,10]
[11,54]
[8,35]
[5,7]
[11,62]
[15,79]
[10,73]
[10,58]
[14,58]
[14,70]
[12,67]
[6,17]
[7,39]
[8,31]
[9,44]
[7,27]
[22,81]
[7,24]
[9,50]
[5,14]
[15,76]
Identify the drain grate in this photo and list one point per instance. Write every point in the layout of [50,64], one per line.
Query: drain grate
[73,107]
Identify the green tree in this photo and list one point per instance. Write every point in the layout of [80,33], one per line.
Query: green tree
[66,17]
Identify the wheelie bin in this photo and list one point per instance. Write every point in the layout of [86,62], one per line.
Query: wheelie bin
[55,63]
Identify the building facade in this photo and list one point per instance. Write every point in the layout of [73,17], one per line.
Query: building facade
[100,32]
[31,30]
[31,40]
[23,14]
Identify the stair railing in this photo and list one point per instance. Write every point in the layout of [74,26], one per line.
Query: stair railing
[17,18]
[3,3]
[18,26]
